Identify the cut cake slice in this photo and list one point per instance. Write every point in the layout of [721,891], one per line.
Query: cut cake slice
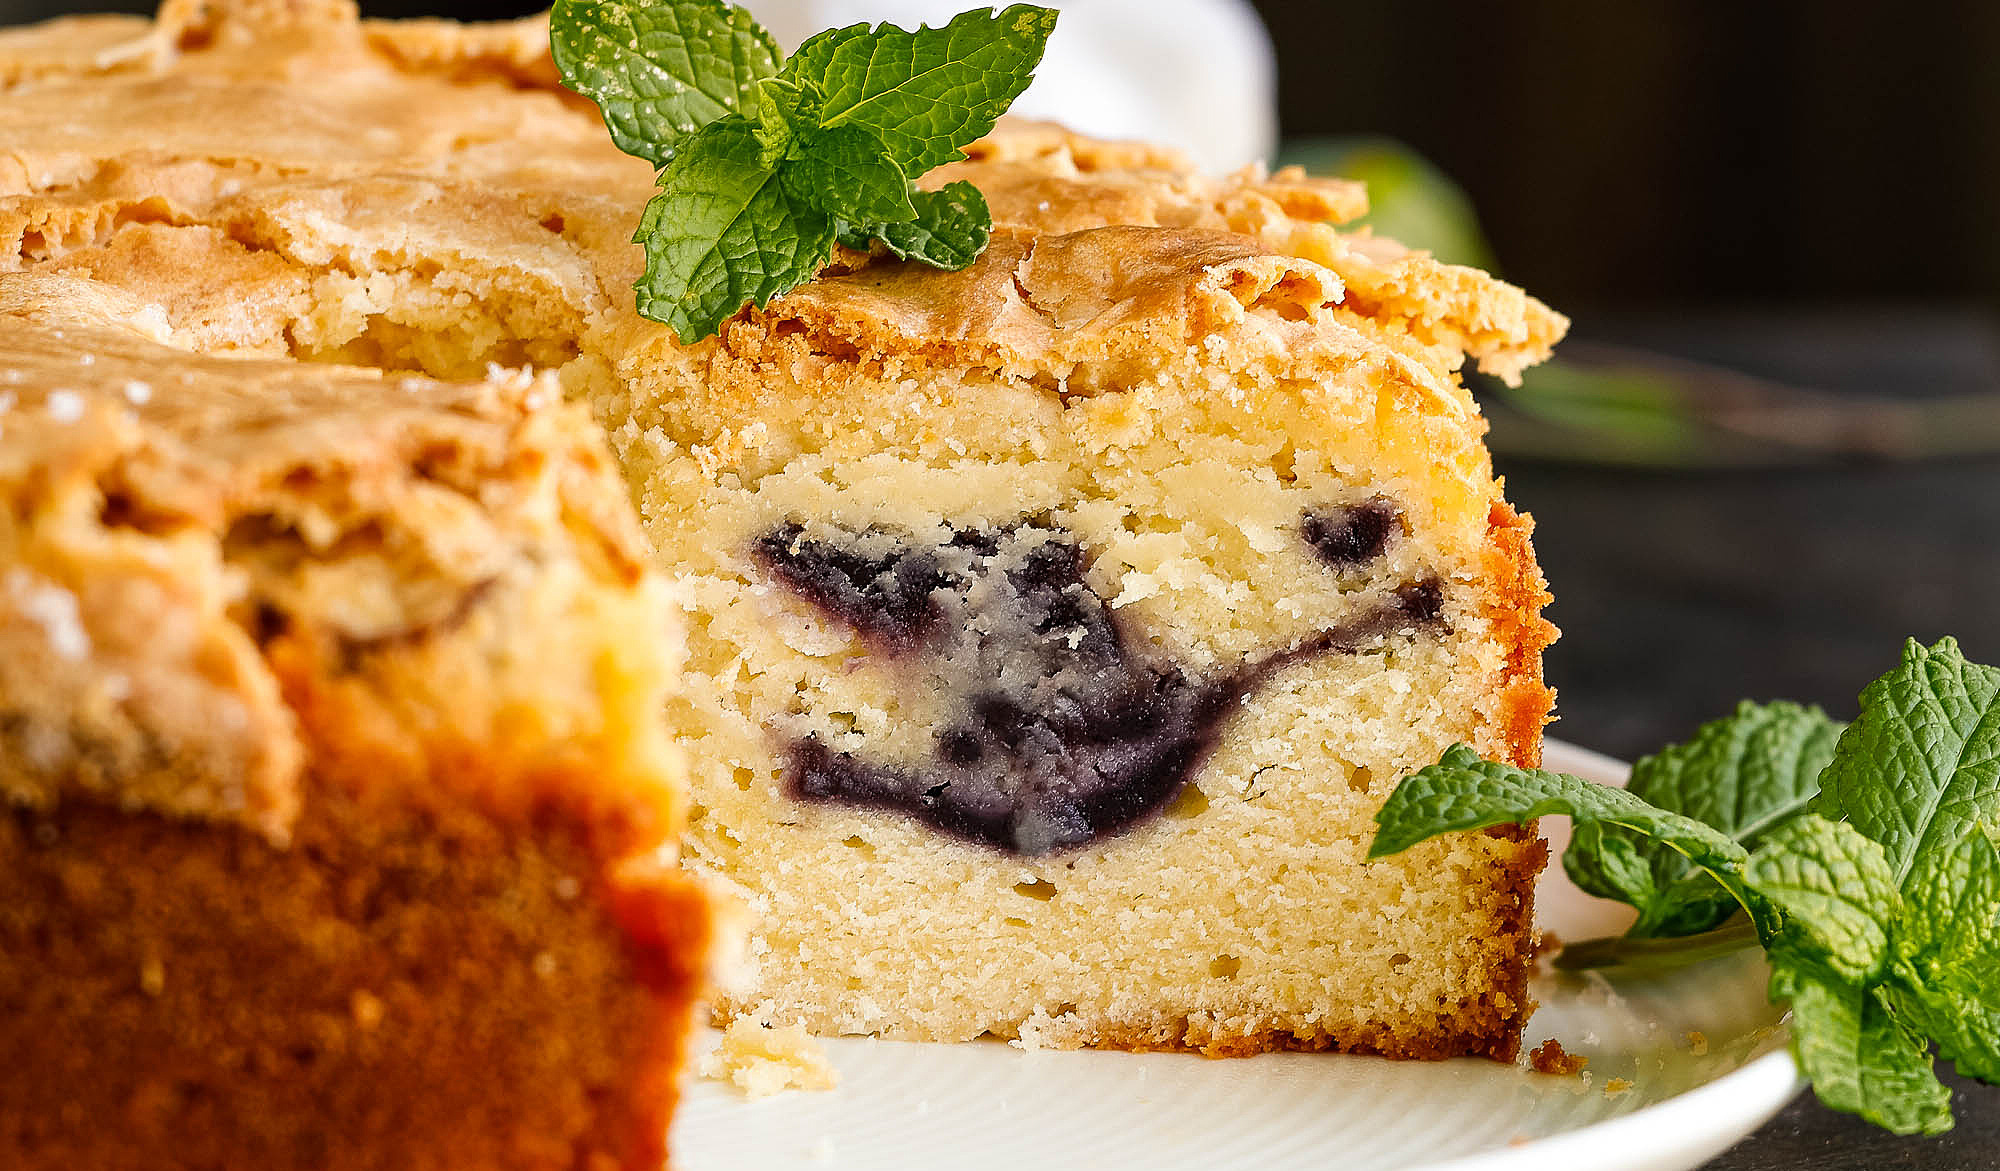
[1055,626]
[1058,625]
[336,818]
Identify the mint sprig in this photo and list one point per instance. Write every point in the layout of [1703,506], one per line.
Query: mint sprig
[1872,881]
[763,168]
[1747,774]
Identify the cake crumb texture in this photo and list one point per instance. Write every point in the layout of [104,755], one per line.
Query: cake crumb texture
[1549,1057]
[762,1060]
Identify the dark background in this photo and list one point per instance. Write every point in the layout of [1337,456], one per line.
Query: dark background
[1806,191]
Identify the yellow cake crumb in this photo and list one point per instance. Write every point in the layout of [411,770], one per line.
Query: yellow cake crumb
[762,1060]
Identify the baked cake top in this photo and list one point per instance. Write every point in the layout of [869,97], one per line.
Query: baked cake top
[294,129]
[283,180]
[220,572]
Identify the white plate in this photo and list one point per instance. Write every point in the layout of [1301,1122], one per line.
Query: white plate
[1652,1098]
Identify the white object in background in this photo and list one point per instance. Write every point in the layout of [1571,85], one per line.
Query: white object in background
[1193,74]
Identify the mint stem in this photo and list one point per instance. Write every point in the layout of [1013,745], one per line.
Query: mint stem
[1658,954]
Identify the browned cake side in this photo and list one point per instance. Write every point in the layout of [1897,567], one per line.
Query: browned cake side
[338,817]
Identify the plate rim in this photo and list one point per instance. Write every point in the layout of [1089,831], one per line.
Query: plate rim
[1750,1095]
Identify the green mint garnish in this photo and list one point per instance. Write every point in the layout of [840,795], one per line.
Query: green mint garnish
[1463,792]
[1747,775]
[1864,859]
[660,71]
[927,93]
[1920,768]
[724,231]
[763,168]
[949,231]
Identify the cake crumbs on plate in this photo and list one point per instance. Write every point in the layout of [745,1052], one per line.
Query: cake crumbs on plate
[1548,1057]
[762,1060]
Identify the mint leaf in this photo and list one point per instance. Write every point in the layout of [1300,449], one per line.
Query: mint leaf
[1837,893]
[846,173]
[1745,774]
[780,113]
[659,70]
[1878,906]
[1947,965]
[761,168]
[1463,792]
[925,93]
[951,228]
[724,232]
[1919,769]
[1860,1058]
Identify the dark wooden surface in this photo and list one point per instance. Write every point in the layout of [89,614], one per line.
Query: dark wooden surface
[1679,593]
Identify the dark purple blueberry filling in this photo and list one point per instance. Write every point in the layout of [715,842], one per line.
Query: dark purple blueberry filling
[1061,734]
[1349,536]
[885,592]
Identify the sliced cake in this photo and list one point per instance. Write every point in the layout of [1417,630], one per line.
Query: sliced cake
[336,817]
[1058,625]
[1055,626]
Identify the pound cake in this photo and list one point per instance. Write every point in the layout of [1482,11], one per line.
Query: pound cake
[1055,627]
[337,814]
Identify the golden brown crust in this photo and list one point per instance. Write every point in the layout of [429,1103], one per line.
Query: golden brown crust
[1519,710]
[516,51]
[188,529]
[403,989]
[430,100]
[79,46]
[1478,1031]
[1522,701]
[338,820]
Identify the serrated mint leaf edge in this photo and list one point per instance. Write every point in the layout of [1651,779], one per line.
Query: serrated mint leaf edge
[1462,792]
[1774,751]
[716,181]
[1837,893]
[1862,1060]
[650,106]
[926,115]
[950,231]
[1929,730]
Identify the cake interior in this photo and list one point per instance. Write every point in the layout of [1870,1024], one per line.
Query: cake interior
[1066,718]
[1037,688]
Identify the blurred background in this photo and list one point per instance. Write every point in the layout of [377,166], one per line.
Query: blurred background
[1768,452]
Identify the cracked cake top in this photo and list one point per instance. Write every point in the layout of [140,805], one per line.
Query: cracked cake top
[290,130]
[216,570]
